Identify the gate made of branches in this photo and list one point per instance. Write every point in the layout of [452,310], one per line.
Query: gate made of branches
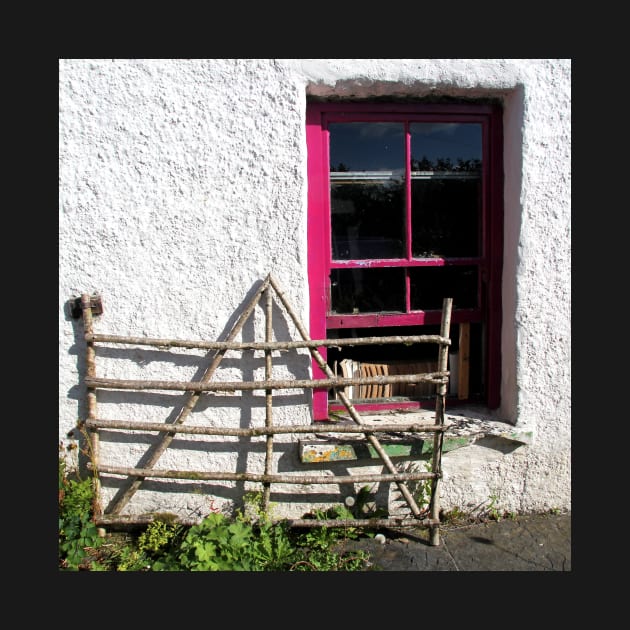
[196,389]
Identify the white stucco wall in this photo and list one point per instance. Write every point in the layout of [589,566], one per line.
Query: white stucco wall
[182,184]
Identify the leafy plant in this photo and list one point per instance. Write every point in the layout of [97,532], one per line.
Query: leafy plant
[327,559]
[78,535]
[248,542]
[128,558]
[218,544]
[321,548]
[156,537]
[253,509]
[324,537]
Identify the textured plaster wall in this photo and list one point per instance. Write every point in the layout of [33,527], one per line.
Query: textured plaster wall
[182,184]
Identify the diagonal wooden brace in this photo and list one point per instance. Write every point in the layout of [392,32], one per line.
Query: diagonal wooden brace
[344,399]
[158,449]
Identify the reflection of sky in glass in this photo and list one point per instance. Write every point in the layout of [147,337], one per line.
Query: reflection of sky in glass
[372,146]
[367,146]
[452,141]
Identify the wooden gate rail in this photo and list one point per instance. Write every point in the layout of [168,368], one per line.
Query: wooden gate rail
[195,388]
[289,479]
[218,386]
[392,521]
[266,345]
[256,431]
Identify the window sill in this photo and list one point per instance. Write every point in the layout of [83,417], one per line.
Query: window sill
[465,426]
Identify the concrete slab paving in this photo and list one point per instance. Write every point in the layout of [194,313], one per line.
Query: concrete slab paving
[536,542]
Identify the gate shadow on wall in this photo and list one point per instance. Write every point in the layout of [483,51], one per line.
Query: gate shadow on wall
[134,433]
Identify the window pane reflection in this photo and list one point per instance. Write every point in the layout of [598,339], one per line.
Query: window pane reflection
[367,290]
[370,146]
[430,285]
[367,220]
[367,195]
[446,163]
[445,217]
[446,147]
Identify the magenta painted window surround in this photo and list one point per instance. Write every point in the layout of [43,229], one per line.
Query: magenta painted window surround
[486,308]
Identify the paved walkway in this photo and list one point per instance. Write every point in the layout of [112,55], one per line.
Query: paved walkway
[540,542]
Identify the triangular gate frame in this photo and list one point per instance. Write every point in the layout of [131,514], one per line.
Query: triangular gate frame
[196,388]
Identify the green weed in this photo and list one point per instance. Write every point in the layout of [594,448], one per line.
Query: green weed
[78,536]
[250,541]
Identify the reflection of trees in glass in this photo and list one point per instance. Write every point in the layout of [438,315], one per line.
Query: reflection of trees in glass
[368,217]
[445,164]
[340,168]
[367,220]
[440,165]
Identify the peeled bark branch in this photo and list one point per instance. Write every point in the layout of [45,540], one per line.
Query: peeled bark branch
[218,386]
[202,475]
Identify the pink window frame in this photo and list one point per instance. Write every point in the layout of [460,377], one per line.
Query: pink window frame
[318,115]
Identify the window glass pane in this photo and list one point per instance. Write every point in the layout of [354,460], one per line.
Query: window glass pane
[367,146]
[445,217]
[430,285]
[446,161]
[367,290]
[367,220]
[367,195]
